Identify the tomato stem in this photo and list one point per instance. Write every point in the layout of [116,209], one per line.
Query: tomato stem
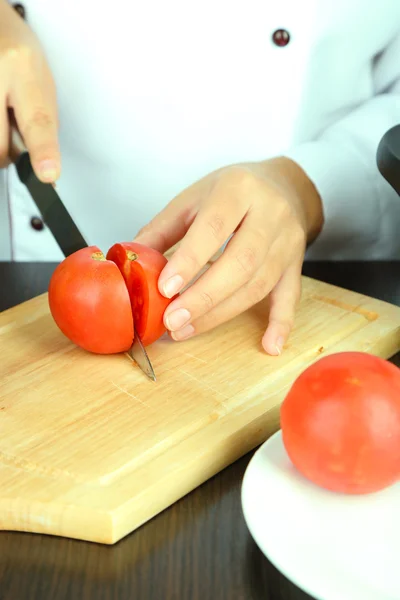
[98,256]
[131,255]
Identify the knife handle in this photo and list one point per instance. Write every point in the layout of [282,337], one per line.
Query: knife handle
[388,157]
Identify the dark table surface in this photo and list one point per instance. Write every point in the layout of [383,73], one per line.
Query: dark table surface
[199,548]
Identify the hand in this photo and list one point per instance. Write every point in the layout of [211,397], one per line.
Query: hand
[28,90]
[273,210]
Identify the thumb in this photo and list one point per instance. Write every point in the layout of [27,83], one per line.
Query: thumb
[169,226]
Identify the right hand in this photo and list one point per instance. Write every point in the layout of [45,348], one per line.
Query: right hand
[28,89]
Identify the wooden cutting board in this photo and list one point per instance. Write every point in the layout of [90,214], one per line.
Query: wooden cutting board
[91,449]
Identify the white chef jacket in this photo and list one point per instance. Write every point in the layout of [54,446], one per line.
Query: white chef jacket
[154,95]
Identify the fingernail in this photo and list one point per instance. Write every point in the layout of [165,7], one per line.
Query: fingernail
[279,344]
[183,334]
[172,286]
[48,170]
[177,319]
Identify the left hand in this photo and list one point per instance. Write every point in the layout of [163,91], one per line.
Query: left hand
[272,209]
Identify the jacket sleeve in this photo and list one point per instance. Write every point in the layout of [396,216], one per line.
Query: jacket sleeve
[361,210]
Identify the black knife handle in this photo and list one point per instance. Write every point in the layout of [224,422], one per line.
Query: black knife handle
[388,157]
[24,168]
[52,210]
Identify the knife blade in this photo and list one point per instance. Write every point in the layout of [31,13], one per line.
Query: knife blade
[62,226]
[139,355]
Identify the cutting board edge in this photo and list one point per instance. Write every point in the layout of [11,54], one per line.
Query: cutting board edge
[62,520]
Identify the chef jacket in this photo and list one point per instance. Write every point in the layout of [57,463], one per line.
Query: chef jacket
[154,95]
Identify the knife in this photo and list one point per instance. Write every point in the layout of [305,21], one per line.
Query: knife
[139,355]
[62,226]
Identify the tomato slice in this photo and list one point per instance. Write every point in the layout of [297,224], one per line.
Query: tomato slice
[89,302]
[141,267]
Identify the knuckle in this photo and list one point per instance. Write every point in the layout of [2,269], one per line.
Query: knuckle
[152,236]
[286,321]
[297,292]
[240,177]
[142,231]
[190,262]
[289,320]
[41,118]
[247,259]
[206,322]
[284,210]
[40,131]
[257,290]
[260,238]
[216,225]
[296,299]
[145,230]
[296,295]
[299,236]
[207,301]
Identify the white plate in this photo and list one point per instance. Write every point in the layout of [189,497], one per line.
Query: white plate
[333,546]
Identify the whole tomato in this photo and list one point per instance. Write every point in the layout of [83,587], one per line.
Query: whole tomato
[340,423]
[96,300]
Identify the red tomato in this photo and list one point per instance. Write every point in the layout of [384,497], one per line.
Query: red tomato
[340,423]
[89,302]
[141,267]
[96,300]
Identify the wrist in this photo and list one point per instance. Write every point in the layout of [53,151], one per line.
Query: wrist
[303,193]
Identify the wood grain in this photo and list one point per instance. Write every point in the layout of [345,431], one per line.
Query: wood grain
[91,449]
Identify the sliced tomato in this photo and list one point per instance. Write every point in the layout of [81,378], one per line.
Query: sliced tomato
[89,302]
[141,267]
[97,300]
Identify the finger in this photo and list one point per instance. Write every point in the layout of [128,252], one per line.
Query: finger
[4,137]
[169,226]
[219,216]
[284,299]
[251,293]
[243,256]
[35,109]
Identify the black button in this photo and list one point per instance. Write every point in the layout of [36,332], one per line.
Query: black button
[20,10]
[281,37]
[37,223]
